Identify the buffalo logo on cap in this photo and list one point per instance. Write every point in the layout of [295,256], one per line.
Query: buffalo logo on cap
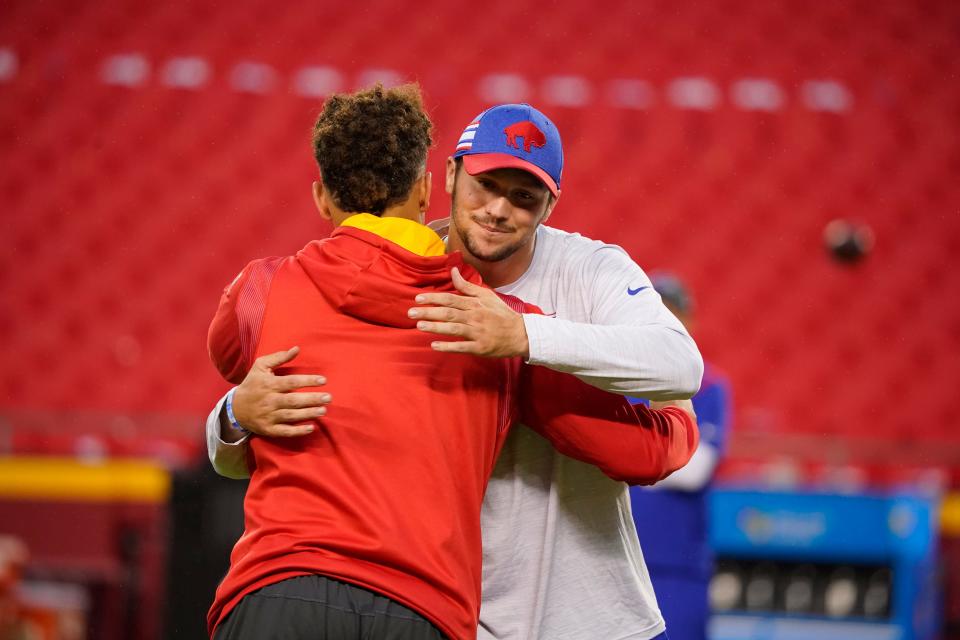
[532,136]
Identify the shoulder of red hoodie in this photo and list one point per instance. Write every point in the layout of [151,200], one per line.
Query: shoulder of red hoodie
[235,329]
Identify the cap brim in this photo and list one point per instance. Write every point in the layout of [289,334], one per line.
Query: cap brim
[481,162]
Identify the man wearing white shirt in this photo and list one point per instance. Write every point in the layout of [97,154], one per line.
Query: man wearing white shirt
[561,558]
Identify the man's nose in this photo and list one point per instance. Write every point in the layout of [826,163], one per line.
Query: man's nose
[499,208]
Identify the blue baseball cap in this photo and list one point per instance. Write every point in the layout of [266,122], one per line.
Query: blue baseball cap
[513,136]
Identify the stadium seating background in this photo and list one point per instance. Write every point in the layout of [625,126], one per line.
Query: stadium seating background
[149,150]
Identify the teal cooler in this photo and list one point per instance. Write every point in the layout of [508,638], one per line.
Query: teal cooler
[796,566]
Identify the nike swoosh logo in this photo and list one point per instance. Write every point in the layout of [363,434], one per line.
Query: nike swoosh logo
[633,292]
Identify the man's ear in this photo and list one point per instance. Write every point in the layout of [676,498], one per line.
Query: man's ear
[553,203]
[451,177]
[426,188]
[320,200]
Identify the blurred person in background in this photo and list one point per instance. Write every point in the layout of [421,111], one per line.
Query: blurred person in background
[561,558]
[671,516]
[13,557]
[370,525]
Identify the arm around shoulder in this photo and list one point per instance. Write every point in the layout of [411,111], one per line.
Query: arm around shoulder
[230,346]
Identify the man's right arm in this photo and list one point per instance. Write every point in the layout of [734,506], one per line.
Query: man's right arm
[261,403]
[264,404]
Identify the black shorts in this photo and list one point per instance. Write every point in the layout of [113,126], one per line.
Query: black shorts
[319,608]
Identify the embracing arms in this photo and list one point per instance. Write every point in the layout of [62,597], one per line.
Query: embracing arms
[615,333]
[627,442]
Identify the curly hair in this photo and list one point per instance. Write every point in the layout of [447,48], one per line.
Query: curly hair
[371,146]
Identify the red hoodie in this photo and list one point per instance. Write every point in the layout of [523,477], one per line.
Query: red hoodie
[386,493]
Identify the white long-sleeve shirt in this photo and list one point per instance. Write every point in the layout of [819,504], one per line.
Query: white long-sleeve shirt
[561,560]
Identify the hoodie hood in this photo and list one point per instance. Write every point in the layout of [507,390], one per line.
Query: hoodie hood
[370,277]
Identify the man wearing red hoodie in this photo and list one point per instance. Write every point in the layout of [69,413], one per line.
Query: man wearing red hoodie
[370,525]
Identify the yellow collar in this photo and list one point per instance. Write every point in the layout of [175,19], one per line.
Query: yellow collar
[412,236]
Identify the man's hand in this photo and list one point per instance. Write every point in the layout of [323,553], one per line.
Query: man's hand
[265,404]
[484,322]
[686,405]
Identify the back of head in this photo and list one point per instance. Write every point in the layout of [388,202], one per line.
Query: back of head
[371,146]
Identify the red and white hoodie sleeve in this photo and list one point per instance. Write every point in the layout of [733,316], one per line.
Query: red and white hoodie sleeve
[630,443]
[231,343]
[235,330]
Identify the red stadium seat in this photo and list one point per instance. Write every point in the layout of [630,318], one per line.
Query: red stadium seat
[130,202]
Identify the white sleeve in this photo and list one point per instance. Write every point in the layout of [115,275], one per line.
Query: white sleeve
[632,344]
[229,459]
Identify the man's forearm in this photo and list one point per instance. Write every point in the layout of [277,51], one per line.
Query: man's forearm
[650,361]
[633,444]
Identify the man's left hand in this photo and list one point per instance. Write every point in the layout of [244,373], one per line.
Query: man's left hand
[485,324]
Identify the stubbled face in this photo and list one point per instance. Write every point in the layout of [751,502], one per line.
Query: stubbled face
[495,214]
